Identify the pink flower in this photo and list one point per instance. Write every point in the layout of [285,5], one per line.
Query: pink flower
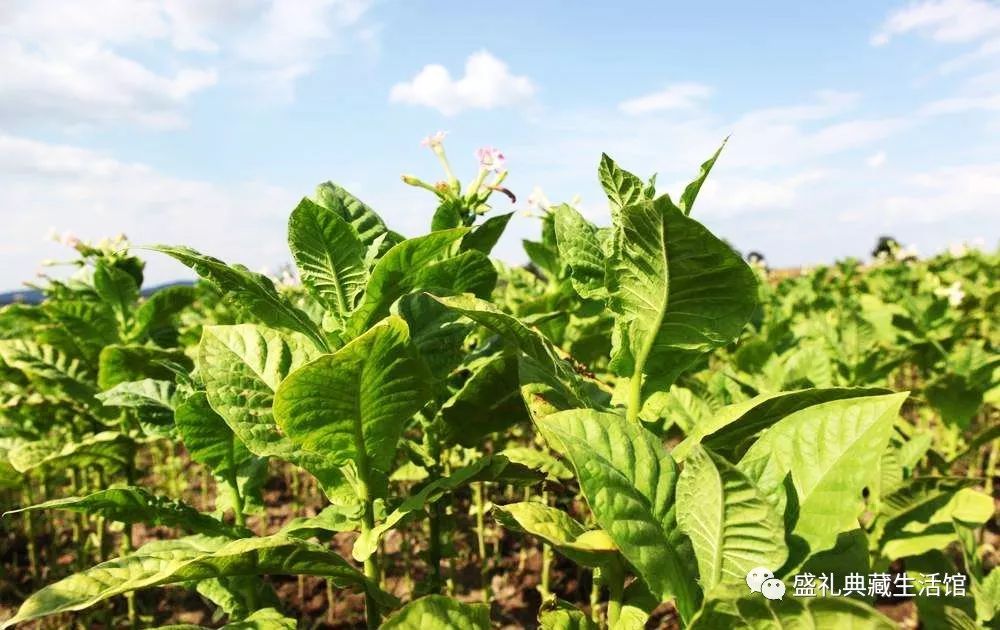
[490,159]
[69,239]
[434,140]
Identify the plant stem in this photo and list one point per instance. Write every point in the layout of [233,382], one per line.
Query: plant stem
[634,397]
[372,614]
[545,583]
[595,596]
[29,532]
[615,579]
[478,490]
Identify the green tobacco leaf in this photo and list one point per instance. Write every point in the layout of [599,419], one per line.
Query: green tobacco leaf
[207,438]
[564,616]
[543,355]
[117,288]
[589,548]
[580,251]
[733,526]
[686,202]
[484,236]
[820,612]
[330,256]
[263,619]
[832,451]
[137,394]
[332,519]
[623,188]
[189,560]
[155,318]
[110,450]
[151,400]
[365,221]
[119,363]
[489,401]
[918,517]
[242,367]
[250,291]
[437,332]
[438,611]
[397,274]
[489,468]
[136,505]
[41,362]
[467,272]
[90,326]
[628,479]
[731,427]
[353,405]
[535,459]
[677,292]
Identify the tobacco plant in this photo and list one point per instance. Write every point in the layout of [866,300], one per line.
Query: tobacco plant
[647,405]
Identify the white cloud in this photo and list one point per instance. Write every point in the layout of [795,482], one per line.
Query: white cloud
[937,195]
[486,84]
[951,21]
[67,63]
[95,195]
[676,96]
[876,160]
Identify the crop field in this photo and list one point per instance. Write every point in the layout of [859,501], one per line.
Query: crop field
[638,429]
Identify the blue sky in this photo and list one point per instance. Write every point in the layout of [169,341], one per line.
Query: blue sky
[203,122]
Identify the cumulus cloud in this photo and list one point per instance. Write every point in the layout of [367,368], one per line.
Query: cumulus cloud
[94,195]
[68,63]
[952,21]
[487,84]
[676,96]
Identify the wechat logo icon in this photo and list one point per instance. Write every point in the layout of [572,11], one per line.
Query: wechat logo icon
[761,580]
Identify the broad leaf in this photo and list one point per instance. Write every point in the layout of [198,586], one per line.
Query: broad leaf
[242,367]
[438,611]
[365,221]
[832,451]
[484,237]
[329,254]
[188,560]
[589,548]
[686,202]
[117,288]
[397,274]
[581,251]
[819,612]
[623,188]
[489,401]
[156,316]
[731,427]
[353,405]
[136,505]
[251,291]
[677,292]
[110,450]
[263,619]
[119,363]
[628,479]
[207,438]
[46,364]
[733,526]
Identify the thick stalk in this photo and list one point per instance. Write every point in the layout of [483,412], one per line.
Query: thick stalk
[29,532]
[595,596]
[614,578]
[634,396]
[544,586]
[478,490]
[991,465]
[372,614]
